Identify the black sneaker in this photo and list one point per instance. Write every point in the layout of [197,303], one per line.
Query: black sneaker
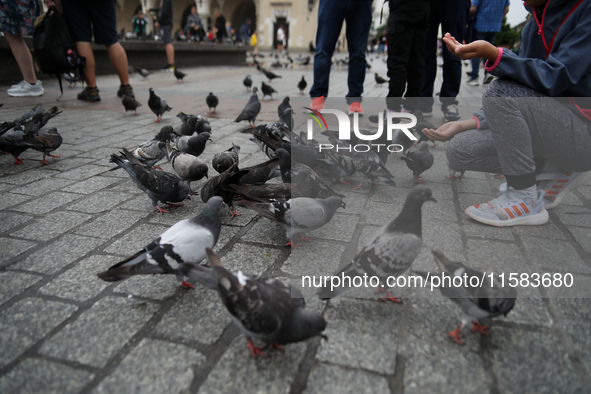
[125,90]
[450,113]
[89,94]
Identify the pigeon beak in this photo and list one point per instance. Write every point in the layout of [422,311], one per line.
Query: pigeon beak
[323,336]
[188,197]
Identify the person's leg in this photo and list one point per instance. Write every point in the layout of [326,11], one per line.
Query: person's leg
[85,50]
[426,102]
[169,53]
[118,59]
[399,36]
[453,21]
[358,19]
[473,150]
[416,63]
[22,55]
[330,21]
[476,61]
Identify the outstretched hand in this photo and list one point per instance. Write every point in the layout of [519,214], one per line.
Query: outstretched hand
[475,49]
[448,130]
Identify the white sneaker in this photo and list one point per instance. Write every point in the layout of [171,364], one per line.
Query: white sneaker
[473,82]
[25,89]
[513,208]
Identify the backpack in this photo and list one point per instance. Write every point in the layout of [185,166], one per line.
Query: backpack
[53,46]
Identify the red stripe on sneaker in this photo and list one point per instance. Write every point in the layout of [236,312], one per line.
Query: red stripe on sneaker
[524,207]
[557,186]
[476,206]
[509,213]
[516,210]
[563,180]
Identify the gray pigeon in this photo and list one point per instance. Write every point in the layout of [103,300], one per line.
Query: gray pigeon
[392,249]
[302,85]
[369,165]
[419,161]
[189,123]
[485,300]
[226,159]
[192,145]
[271,76]
[157,105]
[267,90]
[285,104]
[176,251]
[151,152]
[212,102]
[130,103]
[339,166]
[45,143]
[247,82]
[251,109]
[298,215]
[143,72]
[264,308]
[188,167]
[179,75]
[158,185]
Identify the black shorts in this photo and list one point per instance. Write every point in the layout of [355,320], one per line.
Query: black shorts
[166,32]
[101,14]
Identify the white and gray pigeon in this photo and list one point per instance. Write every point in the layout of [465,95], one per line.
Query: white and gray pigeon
[160,186]
[157,105]
[297,215]
[251,109]
[152,151]
[264,309]
[392,249]
[177,250]
[485,300]
[369,165]
[188,167]
[419,161]
[224,160]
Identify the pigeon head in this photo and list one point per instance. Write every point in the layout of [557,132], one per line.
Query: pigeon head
[151,90]
[305,324]
[420,194]
[164,133]
[203,137]
[334,202]
[284,156]
[203,126]
[255,90]
[202,169]
[213,206]
[184,190]
[286,100]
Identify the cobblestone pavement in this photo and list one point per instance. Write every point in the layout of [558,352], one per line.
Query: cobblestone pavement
[62,330]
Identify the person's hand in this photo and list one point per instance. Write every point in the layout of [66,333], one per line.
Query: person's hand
[480,48]
[448,130]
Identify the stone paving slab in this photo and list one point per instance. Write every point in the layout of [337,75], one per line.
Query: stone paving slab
[63,330]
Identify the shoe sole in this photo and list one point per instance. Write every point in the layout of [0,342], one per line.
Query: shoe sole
[25,94]
[452,118]
[529,220]
[580,180]
[353,112]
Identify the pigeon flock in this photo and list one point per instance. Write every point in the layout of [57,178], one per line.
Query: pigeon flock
[292,189]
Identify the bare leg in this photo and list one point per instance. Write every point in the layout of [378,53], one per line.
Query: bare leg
[118,59]
[85,50]
[169,53]
[22,55]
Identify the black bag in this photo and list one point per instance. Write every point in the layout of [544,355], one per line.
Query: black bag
[53,46]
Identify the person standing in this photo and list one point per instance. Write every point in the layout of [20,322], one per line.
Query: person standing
[244,32]
[164,24]
[98,18]
[280,40]
[331,13]
[16,20]
[220,25]
[452,16]
[489,17]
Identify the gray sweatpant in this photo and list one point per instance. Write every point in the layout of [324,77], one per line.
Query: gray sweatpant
[524,124]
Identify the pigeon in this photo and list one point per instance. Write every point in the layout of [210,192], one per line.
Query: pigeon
[486,300]
[179,75]
[269,74]
[297,215]
[422,123]
[157,105]
[193,145]
[285,104]
[213,187]
[400,138]
[202,125]
[176,251]
[12,142]
[71,78]
[188,167]
[369,165]
[189,123]
[260,173]
[453,172]
[143,72]
[261,193]
[379,80]
[267,90]
[302,85]
[151,152]
[39,118]
[339,166]
[130,103]
[251,109]
[303,154]
[45,143]
[212,102]
[268,137]
[247,82]
[264,308]
[306,61]
[226,159]
[158,185]
[131,69]
[419,161]
[392,249]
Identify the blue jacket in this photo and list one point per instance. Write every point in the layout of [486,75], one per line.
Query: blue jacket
[554,59]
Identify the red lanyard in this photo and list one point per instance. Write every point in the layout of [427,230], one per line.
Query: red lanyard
[541,25]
